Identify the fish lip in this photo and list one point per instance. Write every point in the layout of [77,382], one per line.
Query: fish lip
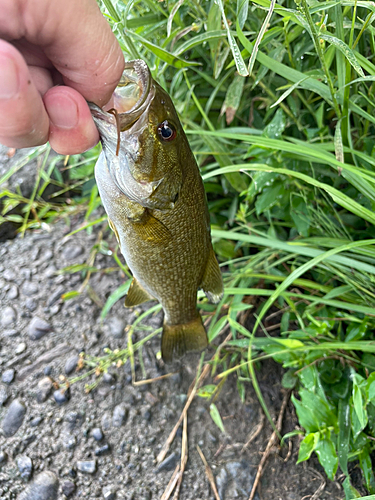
[128,118]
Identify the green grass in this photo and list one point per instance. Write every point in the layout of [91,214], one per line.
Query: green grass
[277,100]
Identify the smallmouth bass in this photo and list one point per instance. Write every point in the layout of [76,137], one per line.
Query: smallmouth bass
[152,191]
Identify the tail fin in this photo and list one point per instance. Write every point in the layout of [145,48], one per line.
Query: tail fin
[180,339]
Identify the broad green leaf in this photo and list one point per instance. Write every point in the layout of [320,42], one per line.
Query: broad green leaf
[351,493]
[307,446]
[306,416]
[359,406]
[215,415]
[326,452]
[233,98]
[206,391]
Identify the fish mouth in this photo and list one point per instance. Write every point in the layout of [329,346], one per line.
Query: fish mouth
[130,99]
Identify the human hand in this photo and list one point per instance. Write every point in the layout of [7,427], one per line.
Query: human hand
[54,55]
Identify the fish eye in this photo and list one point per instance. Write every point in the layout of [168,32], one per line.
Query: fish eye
[166,131]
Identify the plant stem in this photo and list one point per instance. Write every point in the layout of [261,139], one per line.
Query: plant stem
[319,51]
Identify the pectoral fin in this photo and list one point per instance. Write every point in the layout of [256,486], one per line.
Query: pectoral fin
[136,295]
[180,339]
[152,229]
[212,282]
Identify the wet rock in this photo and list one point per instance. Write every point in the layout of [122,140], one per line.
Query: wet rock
[87,466]
[12,292]
[29,288]
[44,389]
[119,415]
[8,316]
[68,488]
[13,418]
[71,252]
[44,487]
[3,395]
[97,434]
[21,347]
[31,304]
[61,396]
[25,466]
[109,493]
[169,463]
[71,364]
[116,326]
[38,328]
[8,376]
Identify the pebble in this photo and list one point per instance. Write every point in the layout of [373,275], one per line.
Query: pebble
[38,328]
[10,332]
[61,396]
[3,457]
[102,450]
[87,466]
[55,296]
[106,421]
[71,252]
[116,326]
[8,317]
[50,271]
[13,418]
[29,288]
[9,275]
[47,370]
[44,389]
[119,415]
[109,493]
[31,304]
[68,488]
[235,480]
[169,463]
[3,395]
[12,292]
[25,273]
[35,421]
[44,487]
[8,376]
[71,364]
[21,348]
[108,378]
[25,466]
[97,434]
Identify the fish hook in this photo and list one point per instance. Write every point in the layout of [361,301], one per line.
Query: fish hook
[114,112]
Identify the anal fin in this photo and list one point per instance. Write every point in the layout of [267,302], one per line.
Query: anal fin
[212,282]
[136,295]
[180,339]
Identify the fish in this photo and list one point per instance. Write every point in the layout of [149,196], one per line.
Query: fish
[151,188]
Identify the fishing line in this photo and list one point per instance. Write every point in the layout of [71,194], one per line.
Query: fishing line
[114,112]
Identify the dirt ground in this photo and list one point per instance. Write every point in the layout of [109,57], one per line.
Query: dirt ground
[104,444]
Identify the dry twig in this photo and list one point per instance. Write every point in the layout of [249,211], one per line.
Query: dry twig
[171,485]
[209,474]
[272,441]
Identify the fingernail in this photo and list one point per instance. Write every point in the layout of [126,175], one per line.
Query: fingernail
[62,111]
[9,81]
